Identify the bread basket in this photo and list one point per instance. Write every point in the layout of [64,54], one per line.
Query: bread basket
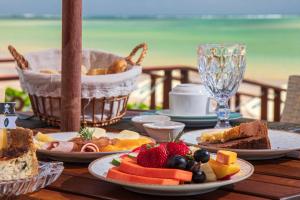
[103,97]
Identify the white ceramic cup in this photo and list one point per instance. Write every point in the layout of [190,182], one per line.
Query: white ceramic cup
[190,100]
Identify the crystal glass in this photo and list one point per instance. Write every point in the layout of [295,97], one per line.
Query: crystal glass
[48,173]
[221,68]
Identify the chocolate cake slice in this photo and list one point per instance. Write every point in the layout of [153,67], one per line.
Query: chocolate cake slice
[252,135]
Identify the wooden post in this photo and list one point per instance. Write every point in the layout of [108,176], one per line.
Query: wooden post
[167,88]
[153,92]
[277,105]
[264,103]
[71,64]
[184,76]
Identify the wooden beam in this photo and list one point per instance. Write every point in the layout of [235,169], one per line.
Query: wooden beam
[71,64]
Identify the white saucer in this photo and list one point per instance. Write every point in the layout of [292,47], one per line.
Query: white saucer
[209,120]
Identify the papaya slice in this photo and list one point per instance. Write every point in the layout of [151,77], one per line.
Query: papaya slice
[114,173]
[135,169]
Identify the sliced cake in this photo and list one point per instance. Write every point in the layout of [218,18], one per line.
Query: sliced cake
[18,154]
[252,135]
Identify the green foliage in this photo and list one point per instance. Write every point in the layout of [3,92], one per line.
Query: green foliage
[86,133]
[141,106]
[12,94]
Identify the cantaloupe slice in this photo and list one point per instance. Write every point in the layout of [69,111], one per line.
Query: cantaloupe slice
[133,168]
[114,173]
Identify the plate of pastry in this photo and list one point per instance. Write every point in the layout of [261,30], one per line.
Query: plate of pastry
[88,144]
[251,141]
[21,172]
[171,169]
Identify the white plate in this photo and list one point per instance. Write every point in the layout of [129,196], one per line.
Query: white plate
[100,167]
[74,156]
[282,142]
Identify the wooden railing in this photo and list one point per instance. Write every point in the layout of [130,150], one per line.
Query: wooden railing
[180,73]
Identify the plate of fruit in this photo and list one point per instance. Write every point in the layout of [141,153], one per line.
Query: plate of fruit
[171,169]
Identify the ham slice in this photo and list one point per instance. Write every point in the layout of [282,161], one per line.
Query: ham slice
[59,146]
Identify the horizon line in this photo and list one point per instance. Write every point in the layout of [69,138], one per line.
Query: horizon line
[158,16]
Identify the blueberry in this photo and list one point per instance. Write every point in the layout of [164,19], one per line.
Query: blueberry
[198,176]
[190,164]
[201,155]
[177,162]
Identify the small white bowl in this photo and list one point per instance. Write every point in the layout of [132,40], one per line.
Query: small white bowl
[164,131]
[138,121]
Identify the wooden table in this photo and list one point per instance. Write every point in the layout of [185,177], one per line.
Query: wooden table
[272,179]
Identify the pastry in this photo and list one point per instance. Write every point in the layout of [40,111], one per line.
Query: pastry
[252,135]
[18,155]
[118,66]
[97,71]
[49,71]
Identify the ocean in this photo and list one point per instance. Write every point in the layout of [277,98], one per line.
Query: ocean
[273,44]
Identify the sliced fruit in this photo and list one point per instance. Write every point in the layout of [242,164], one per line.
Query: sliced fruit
[133,168]
[99,132]
[226,157]
[125,144]
[116,162]
[41,137]
[126,134]
[209,172]
[222,170]
[114,173]
[3,139]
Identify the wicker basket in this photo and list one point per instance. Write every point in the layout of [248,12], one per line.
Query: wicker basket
[95,112]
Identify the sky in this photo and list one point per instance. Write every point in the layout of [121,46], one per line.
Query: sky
[155,7]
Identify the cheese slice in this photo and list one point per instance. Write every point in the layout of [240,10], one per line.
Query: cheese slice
[226,157]
[3,139]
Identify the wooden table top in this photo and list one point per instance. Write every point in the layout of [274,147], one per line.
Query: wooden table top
[272,179]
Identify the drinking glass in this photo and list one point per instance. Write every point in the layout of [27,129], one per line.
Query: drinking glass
[221,68]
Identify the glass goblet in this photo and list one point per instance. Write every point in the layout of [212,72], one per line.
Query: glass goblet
[221,68]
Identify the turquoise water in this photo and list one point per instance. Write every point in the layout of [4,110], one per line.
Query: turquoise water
[273,45]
